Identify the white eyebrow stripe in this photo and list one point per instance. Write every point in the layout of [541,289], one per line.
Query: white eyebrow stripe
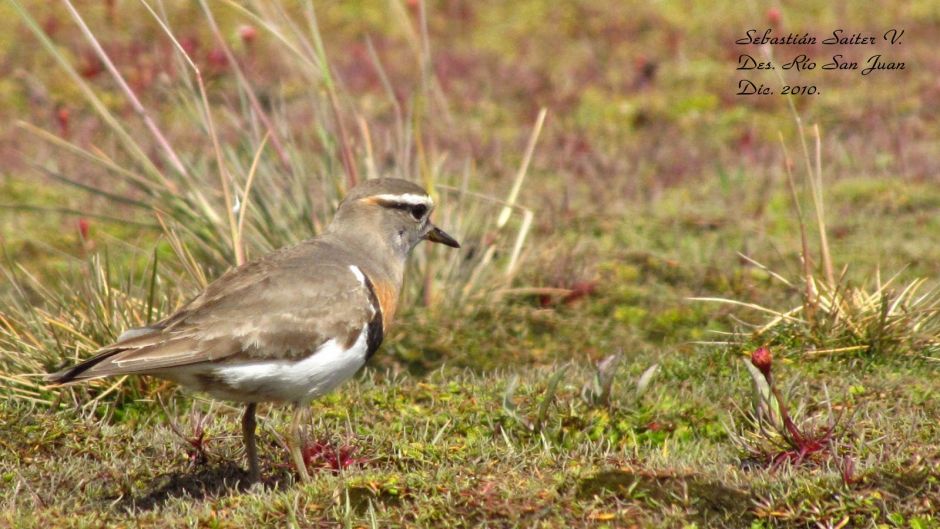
[406,198]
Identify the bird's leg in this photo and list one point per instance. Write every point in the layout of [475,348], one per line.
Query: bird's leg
[251,449]
[297,443]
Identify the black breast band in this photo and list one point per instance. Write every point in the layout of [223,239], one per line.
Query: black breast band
[376,332]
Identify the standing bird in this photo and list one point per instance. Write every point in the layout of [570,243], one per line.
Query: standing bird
[291,326]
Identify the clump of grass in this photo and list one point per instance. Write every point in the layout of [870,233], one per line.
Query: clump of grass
[833,315]
[47,325]
[244,180]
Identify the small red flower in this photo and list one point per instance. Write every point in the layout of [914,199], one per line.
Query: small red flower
[50,25]
[762,360]
[247,33]
[83,226]
[218,59]
[90,66]
[62,116]
[189,45]
[774,16]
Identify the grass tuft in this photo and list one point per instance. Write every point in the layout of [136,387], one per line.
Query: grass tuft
[834,315]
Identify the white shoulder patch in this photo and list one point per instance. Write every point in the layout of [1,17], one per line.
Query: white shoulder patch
[358,273]
[362,281]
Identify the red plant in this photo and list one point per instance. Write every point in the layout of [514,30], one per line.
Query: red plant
[579,290]
[323,454]
[800,445]
[189,44]
[247,33]
[83,226]
[90,66]
[217,59]
[773,16]
[62,116]
[568,295]
[197,442]
[763,361]
[50,25]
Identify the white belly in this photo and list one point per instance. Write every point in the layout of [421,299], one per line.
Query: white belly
[285,380]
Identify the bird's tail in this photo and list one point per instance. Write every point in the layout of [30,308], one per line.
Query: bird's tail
[131,339]
[74,373]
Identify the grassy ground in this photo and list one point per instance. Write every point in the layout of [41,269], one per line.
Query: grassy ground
[440,450]
[648,183]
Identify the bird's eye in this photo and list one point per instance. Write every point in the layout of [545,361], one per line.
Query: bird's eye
[418,211]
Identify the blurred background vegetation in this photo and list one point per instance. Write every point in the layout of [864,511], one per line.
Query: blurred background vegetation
[640,98]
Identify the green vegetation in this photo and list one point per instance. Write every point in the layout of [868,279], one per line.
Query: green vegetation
[559,371]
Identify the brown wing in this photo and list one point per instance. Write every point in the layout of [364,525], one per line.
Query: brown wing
[285,305]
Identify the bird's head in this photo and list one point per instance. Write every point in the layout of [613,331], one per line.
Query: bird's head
[391,212]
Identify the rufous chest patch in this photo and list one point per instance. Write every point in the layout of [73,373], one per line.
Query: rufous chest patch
[388,300]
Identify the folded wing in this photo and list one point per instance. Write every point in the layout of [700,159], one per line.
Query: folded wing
[285,305]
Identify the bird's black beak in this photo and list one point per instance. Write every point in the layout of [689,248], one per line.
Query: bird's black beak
[438,235]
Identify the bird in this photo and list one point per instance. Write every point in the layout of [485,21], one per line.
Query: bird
[292,325]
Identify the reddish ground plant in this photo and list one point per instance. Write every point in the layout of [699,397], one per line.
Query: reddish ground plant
[197,444]
[325,455]
[787,443]
[196,441]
